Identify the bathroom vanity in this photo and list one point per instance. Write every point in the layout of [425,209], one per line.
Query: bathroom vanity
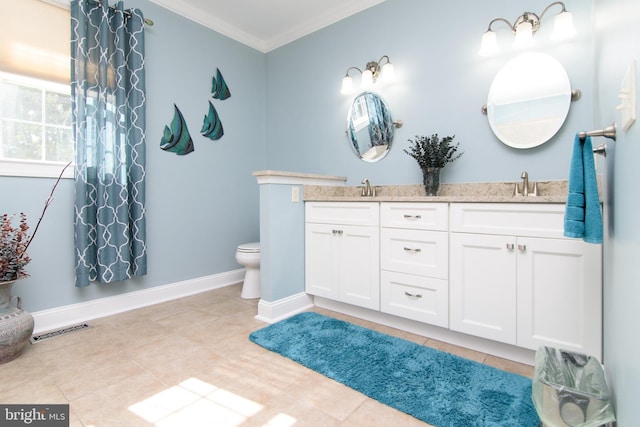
[475,270]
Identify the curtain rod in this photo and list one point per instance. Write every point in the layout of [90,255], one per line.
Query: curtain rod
[65,4]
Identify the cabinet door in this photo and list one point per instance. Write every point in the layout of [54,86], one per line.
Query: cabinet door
[359,262]
[559,295]
[321,260]
[482,286]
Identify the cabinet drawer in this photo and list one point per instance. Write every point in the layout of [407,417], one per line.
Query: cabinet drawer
[422,216]
[348,213]
[415,297]
[521,219]
[425,253]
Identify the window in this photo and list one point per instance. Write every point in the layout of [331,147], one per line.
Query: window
[35,126]
[360,114]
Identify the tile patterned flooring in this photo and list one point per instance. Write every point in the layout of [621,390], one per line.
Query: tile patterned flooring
[189,362]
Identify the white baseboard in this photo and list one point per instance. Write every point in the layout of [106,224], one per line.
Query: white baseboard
[60,317]
[272,312]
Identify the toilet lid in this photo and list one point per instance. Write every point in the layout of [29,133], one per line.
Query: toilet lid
[249,247]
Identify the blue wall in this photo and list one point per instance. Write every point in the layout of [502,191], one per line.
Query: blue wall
[441,85]
[282,240]
[199,206]
[618,45]
[202,205]
[286,113]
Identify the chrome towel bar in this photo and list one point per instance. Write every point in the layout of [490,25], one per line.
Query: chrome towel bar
[607,132]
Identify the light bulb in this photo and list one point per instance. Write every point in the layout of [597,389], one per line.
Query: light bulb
[489,45]
[524,36]
[388,72]
[347,86]
[367,79]
[563,27]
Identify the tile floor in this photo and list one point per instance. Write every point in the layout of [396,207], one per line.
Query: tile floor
[189,362]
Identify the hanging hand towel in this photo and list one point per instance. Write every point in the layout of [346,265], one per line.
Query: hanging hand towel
[583,218]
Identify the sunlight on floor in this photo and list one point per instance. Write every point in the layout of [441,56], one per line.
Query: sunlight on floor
[194,402]
[280,420]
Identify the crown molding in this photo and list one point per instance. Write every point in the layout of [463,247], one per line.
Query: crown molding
[301,29]
[202,17]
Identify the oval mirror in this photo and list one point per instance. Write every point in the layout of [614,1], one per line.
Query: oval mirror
[370,127]
[529,100]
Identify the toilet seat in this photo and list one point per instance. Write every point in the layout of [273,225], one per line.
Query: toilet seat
[249,248]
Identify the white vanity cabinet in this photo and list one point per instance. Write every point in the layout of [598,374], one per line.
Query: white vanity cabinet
[342,244]
[515,279]
[414,258]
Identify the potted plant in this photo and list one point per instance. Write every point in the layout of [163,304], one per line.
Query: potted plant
[16,325]
[14,241]
[432,154]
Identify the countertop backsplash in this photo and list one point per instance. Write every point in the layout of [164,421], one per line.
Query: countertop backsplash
[489,192]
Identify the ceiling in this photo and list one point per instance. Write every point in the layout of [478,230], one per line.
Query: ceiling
[266,24]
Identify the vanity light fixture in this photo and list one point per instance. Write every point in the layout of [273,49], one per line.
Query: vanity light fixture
[526,26]
[369,76]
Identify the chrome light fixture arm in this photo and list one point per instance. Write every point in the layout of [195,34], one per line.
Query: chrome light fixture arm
[563,28]
[564,9]
[371,71]
[346,74]
[500,19]
[375,67]
[529,17]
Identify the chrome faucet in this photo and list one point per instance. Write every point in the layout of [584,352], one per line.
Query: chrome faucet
[525,186]
[366,190]
[525,183]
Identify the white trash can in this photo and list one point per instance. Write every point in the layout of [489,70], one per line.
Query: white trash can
[570,389]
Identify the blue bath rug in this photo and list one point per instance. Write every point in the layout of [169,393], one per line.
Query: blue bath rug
[433,386]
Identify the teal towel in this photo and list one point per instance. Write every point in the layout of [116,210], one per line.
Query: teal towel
[583,218]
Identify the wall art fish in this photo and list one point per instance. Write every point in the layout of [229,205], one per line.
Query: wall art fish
[219,88]
[177,138]
[212,126]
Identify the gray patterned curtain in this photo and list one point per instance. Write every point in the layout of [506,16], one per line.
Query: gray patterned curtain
[108,99]
[381,126]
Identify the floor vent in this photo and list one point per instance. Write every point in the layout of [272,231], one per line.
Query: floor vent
[52,334]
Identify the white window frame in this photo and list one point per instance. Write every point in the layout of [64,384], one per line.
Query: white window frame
[34,168]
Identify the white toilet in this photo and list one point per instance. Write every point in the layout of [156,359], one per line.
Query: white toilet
[248,255]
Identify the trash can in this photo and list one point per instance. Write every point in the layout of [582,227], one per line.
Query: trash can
[570,389]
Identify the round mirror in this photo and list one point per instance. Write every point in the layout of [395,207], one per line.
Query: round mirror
[370,127]
[529,100]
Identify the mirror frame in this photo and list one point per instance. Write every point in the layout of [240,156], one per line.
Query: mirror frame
[529,100]
[360,122]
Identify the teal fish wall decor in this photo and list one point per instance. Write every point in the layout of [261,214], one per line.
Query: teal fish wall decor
[212,126]
[177,138]
[219,87]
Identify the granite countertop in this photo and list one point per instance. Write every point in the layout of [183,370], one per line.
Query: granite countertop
[490,192]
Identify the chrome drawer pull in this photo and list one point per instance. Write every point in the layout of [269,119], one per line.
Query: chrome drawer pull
[409,294]
[338,232]
[413,250]
[522,247]
[510,246]
[412,216]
